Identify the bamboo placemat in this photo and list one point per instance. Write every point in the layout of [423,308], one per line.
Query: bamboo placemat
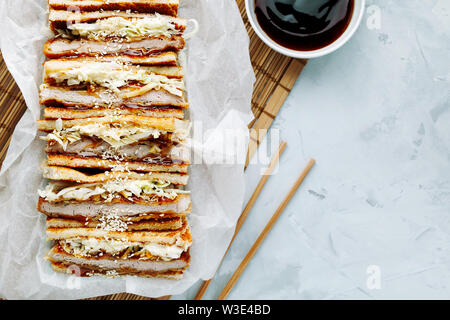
[275,77]
[12,107]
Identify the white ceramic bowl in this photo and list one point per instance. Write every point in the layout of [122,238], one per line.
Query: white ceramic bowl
[358,13]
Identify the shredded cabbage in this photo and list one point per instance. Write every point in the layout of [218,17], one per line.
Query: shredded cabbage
[57,191]
[117,135]
[93,246]
[114,75]
[135,28]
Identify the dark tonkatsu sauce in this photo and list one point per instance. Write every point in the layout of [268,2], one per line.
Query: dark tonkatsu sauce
[304,25]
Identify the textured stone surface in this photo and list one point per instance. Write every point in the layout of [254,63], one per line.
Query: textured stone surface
[376,116]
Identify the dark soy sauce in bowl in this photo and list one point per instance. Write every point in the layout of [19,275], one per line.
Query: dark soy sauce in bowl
[304,25]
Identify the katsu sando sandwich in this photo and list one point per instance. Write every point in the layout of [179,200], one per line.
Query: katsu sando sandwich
[88,83]
[146,253]
[129,196]
[118,205]
[163,245]
[169,7]
[112,33]
[61,96]
[109,266]
[124,142]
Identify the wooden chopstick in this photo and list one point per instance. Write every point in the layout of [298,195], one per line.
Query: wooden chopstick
[234,278]
[246,211]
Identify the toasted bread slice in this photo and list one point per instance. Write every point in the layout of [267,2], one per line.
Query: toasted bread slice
[165,124]
[69,174]
[60,96]
[131,211]
[103,222]
[159,59]
[169,7]
[181,237]
[80,113]
[63,160]
[59,47]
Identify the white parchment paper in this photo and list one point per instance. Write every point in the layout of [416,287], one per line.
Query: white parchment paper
[219,81]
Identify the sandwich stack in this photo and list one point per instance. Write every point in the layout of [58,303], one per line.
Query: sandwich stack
[113,119]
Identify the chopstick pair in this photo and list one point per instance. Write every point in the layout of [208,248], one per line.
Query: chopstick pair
[266,230]
[235,277]
[246,211]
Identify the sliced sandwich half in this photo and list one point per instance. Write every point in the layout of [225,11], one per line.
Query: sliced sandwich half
[68,113]
[148,253]
[168,58]
[63,262]
[86,83]
[124,142]
[112,33]
[129,196]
